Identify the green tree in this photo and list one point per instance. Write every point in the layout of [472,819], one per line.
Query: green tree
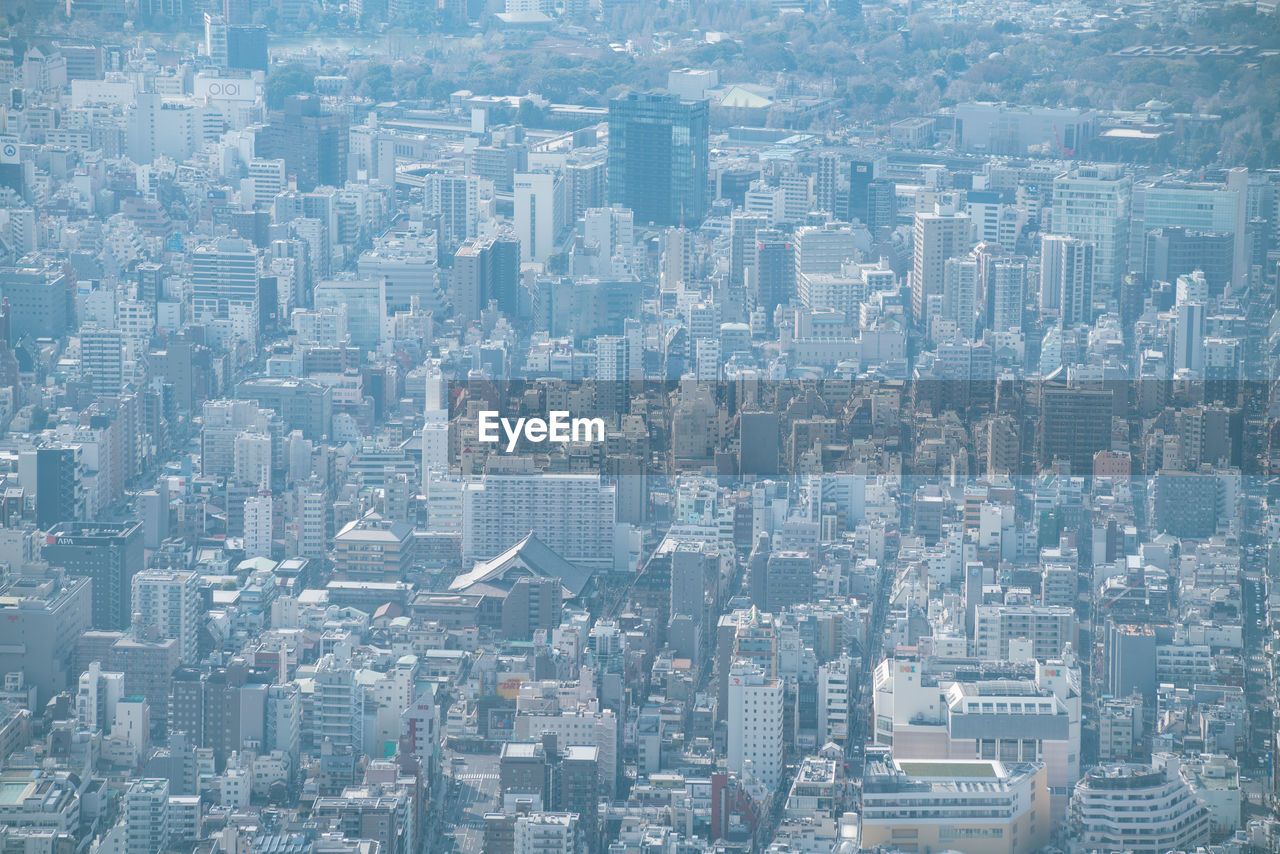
[292,79]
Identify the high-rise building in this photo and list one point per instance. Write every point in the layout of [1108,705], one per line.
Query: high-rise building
[455,199]
[677,258]
[59,485]
[540,213]
[1075,424]
[486,269]
[102,359]
[835,693]
[408,265]
[365,301]
[574,514]
[937,236]
[826,248]
[37,301]
[743,228]
[1067,272]
[338,705]
[772,281]
[224,274]
[146,815]
[166,604]
[41,621]
[755,723]
[1092,203]
[960,294]
[658,157]
[1049,628]
[1212,216]
[1172,252]
[108,554]
[1004,282]
[312,143]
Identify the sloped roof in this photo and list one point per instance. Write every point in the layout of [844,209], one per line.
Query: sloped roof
[532,555]
[741,98]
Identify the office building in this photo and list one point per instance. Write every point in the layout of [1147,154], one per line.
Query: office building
[1209,216]
[38,299]
[312,143]
[486,270]
[1172,252]
[540,213]
[743,229]
[224,274]
[41,621]
[60,493]
[167,605]
[658,157]
[1066,279]
[772,279]
[1091,203]
[109,555]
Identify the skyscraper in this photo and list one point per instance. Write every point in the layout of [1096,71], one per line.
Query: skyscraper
[658,157]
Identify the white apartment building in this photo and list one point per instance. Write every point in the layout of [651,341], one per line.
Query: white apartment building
[168,602]
[1049,630]
[573,514]
[547,833]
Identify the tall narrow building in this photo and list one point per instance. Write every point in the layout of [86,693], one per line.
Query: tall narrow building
[1092,204]
[1067,272]
[936,236]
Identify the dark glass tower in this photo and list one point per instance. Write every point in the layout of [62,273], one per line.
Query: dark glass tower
[658,157]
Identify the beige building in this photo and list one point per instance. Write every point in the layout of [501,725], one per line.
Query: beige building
[373,549]
[975,806]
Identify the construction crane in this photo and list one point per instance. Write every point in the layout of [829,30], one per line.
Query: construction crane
[1066,152]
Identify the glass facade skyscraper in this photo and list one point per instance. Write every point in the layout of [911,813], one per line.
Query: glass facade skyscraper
[658,152]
